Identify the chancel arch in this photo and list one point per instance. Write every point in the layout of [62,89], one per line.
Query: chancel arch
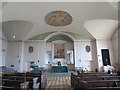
[62,50]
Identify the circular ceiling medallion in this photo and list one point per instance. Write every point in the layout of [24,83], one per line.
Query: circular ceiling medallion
[58,18]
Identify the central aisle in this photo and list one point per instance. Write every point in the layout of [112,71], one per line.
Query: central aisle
[59,82]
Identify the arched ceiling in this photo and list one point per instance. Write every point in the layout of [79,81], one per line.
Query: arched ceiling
[33,13]
[19,28]
[46,35]
[59,37]
[103,29]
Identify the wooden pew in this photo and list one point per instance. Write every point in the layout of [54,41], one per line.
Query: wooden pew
[99,78]
[16,84]
[41,77]
[103,88]
[101,84]
[79,81]
[31,80]
[9,88]
[98,84]
[96,74]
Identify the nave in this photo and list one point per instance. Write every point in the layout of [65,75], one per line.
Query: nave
[42,81]
[41,43]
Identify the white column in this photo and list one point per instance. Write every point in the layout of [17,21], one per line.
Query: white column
[119,49]
[77,54]
[99,57]
[41,54]
[0,35]
[0,47]
[21,53]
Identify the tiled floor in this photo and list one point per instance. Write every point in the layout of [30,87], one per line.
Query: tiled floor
[58,82]
[68,74]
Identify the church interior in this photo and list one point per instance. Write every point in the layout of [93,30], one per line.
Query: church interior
[70,45]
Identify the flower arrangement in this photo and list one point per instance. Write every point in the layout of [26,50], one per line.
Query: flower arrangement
[32,65]
[59,63]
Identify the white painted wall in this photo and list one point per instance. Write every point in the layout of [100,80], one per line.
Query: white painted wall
[82,58]
[49,56]
[49,46]
[0,47]
[4,49]
[38,54]
[104,44]
[115,48]
[18,55]
[30,56]
[21,56]
[18,51]
[41,54]
[13,55]
[0,36]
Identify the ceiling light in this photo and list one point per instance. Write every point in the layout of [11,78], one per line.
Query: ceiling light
[14,36]
[101,35]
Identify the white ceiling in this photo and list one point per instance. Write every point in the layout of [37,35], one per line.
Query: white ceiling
[103,29]
[26,20]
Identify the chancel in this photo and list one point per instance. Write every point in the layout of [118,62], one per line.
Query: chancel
[69,45]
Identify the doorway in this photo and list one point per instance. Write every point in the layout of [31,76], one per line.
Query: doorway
[105,57]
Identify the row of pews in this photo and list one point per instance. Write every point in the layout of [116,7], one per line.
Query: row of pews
[23,81]
[95,81]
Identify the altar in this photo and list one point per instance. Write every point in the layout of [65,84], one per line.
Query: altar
[60,58]
[59,69]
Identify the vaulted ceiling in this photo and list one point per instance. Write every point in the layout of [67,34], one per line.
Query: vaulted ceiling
[96,20]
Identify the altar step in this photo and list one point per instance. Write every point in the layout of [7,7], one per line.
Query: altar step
[58,83]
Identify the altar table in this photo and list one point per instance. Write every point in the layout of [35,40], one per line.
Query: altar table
[59,69]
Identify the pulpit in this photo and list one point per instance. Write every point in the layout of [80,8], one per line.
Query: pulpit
[59,69]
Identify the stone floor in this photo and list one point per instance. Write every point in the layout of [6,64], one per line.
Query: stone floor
[68,74]
[58,83]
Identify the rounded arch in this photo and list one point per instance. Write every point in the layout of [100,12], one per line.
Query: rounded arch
[58,33]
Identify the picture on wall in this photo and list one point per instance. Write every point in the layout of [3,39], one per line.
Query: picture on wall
[59,51]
